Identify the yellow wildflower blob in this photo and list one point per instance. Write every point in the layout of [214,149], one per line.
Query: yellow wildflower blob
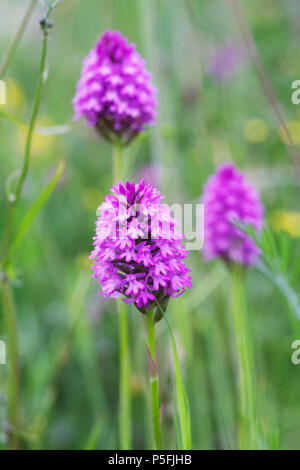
[15,96]
[256,130]
[42,145]
[294,130]
[287,221]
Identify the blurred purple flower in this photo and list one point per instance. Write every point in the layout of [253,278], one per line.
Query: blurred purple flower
[150,173]
[138,251]
[225,61]
[229,197]
[115,92]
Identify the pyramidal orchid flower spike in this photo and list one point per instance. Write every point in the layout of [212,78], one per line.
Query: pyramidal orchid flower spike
[115,93]
[229,197]
[138,252]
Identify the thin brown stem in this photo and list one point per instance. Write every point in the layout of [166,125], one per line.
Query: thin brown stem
[266,84]
[6,59]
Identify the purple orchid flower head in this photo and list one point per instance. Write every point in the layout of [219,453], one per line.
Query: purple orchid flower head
[115,92]
[137,250]
[228,197]
[225,61]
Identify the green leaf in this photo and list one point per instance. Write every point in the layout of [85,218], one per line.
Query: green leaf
[182,399]
[282,284]
[179,444]
[37,206]
[95,434]
[40,130]
[12,118]
[276,264]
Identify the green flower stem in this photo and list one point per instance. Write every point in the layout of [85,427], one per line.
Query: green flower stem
[35,110]
[15,197]
[153,368]
[10,316]
[117,162]
[125,427]
[182,398]
[247,407]
[16,40]
[7,293]
[125,399]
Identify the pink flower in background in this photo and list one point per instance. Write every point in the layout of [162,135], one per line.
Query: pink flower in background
[138,252]
[229,197]
[115,93]
[150,173]
[225,61]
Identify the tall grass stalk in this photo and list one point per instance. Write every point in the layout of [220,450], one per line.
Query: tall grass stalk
[14,198]
[154,380]
[10,317]
[7,57]
[266,85]
[247,396]
[182,399]
[7,293]
[125,392]
[125,427]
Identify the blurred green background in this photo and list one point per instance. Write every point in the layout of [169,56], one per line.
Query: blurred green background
[211,109]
